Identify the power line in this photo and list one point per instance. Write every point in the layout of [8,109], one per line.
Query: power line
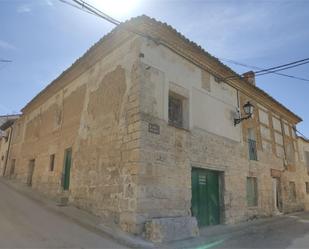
[284,65]
[259,68]
[96,11]
[283,68]
[88,8]
[278,68]
[77,7]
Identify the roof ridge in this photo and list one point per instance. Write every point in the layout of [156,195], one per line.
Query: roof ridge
[150,20]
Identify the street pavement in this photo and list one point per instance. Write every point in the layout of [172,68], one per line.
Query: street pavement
[291,231]
[284,231]
[25,223]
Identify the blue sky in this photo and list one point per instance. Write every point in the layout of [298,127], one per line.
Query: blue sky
[44,37]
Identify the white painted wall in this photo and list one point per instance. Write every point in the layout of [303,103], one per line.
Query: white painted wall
[213,110]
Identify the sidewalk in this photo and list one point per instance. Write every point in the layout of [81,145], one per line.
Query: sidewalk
[82,218]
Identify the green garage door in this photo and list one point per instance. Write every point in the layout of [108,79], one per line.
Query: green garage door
[205,204]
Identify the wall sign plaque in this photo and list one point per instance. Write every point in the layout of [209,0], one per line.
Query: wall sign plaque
[154,128]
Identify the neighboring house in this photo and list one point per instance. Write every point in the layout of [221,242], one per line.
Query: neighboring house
[303,145]
[140,130]
[6,123]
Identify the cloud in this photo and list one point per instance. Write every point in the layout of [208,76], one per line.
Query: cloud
[23,9]
[49,2]
[6,45]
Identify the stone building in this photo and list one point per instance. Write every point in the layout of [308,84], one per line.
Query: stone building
[303,145]
[6,128]
[141,130]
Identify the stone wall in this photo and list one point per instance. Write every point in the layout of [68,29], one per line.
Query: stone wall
[169,153]
[97,115]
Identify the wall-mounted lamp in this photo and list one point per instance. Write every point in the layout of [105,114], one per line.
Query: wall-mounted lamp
[248,109]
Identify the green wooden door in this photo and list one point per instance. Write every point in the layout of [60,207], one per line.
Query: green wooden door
[67,168]
[213,197]
[205,196]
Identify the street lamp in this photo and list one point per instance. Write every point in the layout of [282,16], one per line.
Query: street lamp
[248,109]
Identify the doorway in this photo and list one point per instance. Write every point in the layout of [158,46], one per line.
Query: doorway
[31,166]
[67,168]
[277,195]
[205,202]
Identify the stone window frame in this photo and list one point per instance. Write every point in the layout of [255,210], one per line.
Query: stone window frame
[182,94]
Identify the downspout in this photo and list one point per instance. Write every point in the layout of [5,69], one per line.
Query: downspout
[8,152]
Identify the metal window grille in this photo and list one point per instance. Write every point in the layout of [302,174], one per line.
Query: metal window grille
[175,112]
[252,149]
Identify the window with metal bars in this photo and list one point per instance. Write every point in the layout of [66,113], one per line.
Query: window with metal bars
[175,110]
[252,144]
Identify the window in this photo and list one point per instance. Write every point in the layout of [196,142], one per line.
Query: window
[290,153]
[51,162]
[292,191]
[252,144]
[175,110]
[65,180]
[252,192]
[307,187]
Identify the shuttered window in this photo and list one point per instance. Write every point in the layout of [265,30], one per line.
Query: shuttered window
[252,192]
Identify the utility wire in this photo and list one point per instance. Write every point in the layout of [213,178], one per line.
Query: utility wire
[277,68]
[259,68]
[77,7]
[281,69]
[96,11]
[284,65]
[82,5]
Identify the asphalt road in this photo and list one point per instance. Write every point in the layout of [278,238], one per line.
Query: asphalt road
[285,231]
[290,231]
[24,223]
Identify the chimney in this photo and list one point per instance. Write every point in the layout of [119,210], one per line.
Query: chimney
[249,77]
